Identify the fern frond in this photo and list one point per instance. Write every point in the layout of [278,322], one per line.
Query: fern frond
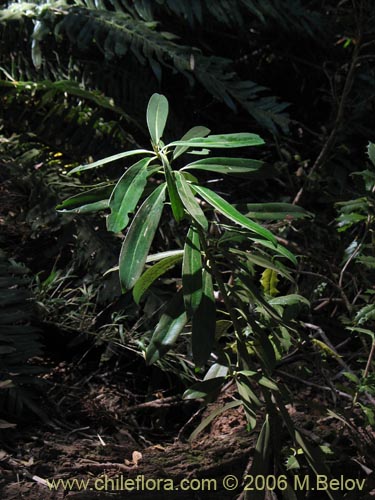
[116,34]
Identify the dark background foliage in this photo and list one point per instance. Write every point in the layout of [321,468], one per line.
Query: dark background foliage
[75,79]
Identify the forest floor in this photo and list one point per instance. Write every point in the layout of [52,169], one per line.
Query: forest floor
[110,444]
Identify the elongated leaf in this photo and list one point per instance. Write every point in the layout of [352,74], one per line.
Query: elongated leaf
[204,322]
[126,195]
[162,255]
[190,202]
[139,238]
[89,201]
[265,262]
[239,140]
[104,161]
[231,213]
[173,193]
[260,465]
[274,211]
[198,131]
[152,274]
[192,272]
[157,114]
[170,326]
[97,206]
[204,388]
[278,249]
[206,421]
[216,370]
[226,165]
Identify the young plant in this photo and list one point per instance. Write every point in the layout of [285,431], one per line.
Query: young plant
[259,323]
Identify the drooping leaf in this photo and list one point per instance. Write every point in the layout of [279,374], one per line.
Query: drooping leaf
[204,322]
[126,195]
[278,249]
[226,165]
[190,202]
[240,140]
[152,274]
[157,114]
[192,272]
[204,389]
[262,261]
[90,201]
[168,329]
[108,159]
[206,421]
[139,238]
[198,131]
[231,213]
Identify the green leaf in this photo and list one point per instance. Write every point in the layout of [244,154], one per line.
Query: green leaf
[279,249]
[239,140]
[216,370]
[231,213]
[192,271]
[204,322]
[204,388]
[206,421]
[90,201]
[198,131]
[190,202]
[264,262]
[126,195]
[260,465]
[289,300]
[173,193]
[170,326]
[226,165]
[162,255]
[152,274]
[139,237]
[104,161]
[269,282]
[157,114]
[274,211]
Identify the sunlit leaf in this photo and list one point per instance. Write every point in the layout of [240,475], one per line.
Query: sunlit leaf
[152,274]
[204,322]
[108,159]
[173,193]
[157,114]
[192,272]
[126,195]
[204,389]
[231,213]
[198,131]
[189,201]
[226,165]
[239,140]
[139,237]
